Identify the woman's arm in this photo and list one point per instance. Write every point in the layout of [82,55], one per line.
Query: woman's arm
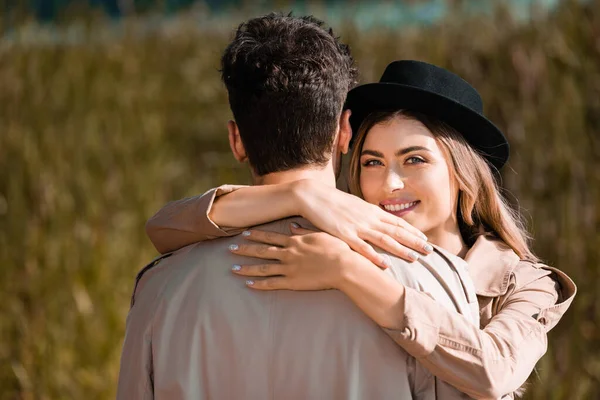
[319,261]
[340,214]
[183,222]
[483,363]
[255,205]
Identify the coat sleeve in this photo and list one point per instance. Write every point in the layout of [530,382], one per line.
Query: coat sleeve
[496,360]
[183,222]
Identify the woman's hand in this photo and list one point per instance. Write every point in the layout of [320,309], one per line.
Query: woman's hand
[317,261]
[307,261]
[357,222]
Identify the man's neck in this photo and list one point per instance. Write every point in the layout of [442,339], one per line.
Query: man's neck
[324,175]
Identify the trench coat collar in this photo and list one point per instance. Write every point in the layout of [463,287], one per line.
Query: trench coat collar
[491,263]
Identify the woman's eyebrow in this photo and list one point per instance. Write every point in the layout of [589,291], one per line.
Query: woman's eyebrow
[399,153]
[407,150]
[372,153]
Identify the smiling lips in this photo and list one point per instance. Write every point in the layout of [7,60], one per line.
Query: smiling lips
[399,208]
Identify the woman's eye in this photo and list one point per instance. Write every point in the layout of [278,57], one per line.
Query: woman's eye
[414,160]
[370,163]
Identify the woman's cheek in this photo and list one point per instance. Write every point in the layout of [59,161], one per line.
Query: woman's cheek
[367,187]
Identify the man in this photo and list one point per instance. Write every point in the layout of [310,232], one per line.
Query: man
[194,331]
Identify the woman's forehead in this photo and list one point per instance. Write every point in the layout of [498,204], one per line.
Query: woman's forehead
[399,132]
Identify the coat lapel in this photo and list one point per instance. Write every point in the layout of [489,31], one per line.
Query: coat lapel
[490,264]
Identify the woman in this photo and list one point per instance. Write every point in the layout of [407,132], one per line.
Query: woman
[423,152]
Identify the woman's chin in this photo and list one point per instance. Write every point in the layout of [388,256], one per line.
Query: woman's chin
[414,221]
[408,219]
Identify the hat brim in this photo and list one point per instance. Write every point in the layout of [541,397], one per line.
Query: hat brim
[480,132]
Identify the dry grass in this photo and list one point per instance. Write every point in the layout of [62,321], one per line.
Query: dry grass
[95,138]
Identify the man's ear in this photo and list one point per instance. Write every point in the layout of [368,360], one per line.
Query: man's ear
[235,142]
[345,132]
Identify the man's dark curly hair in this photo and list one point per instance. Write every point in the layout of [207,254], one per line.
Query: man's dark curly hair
[287,79]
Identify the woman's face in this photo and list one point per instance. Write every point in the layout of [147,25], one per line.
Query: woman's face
[404,171]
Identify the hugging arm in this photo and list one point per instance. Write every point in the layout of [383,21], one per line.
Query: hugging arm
[483,362]
[186,221]
[488,362]
[227,210]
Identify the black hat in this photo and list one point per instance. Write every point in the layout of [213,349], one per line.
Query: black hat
[431,90]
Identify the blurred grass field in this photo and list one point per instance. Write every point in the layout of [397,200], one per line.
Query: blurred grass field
[95,137]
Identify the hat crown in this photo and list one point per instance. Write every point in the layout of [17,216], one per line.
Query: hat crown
[433,79]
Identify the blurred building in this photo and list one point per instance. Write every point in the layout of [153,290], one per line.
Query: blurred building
[365,13]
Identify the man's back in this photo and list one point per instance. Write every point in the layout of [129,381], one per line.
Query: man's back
[201,333]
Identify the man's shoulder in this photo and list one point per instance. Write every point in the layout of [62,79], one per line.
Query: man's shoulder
[152,264]
[160,268]
[283,225]
[167,270]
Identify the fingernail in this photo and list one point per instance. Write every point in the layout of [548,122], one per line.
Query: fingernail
[233,247]
[428,248]
[246,233]
[413,255]
[249,283]
[236,268]
[423,236]
[386,263]
[295,225]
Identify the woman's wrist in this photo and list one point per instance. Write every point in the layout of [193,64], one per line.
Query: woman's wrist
[378,295]
[300,191]
[351,267]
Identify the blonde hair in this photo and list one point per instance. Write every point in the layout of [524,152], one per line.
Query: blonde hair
[482,210]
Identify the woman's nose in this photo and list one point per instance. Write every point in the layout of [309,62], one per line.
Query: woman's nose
[394,181]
